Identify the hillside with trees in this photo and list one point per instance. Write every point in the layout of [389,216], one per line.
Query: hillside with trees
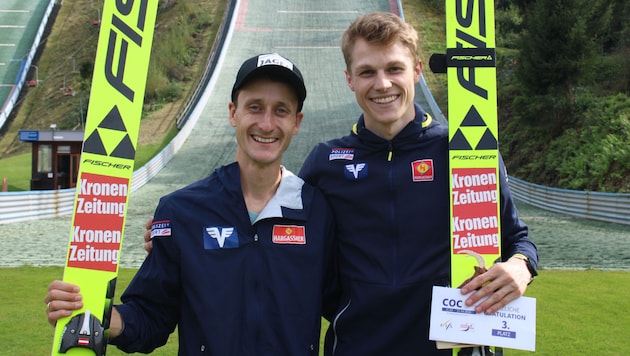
[563,72]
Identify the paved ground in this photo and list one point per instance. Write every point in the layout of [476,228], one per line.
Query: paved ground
[308,32]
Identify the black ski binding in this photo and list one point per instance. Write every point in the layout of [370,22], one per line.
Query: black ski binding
[84,330]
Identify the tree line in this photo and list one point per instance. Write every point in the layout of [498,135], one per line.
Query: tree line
[563,75]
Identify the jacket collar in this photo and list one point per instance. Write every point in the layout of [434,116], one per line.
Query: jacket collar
[288,195]
[421,121]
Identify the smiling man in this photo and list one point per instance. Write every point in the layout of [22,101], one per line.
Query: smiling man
[388,184]
[239,258]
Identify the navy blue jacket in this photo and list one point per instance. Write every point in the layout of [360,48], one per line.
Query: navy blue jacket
[393,234]
[230,286]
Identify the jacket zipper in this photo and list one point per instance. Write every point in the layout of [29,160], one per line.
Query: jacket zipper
[392,210]
[334,326]
[257,301]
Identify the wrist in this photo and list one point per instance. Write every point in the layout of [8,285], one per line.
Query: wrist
[528,264]
[116,324]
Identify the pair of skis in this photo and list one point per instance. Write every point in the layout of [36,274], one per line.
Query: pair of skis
[111,134]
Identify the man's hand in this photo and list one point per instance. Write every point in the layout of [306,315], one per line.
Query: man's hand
[62,299]
[503,283]
[148,243]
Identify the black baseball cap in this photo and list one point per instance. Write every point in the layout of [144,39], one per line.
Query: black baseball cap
[276,66]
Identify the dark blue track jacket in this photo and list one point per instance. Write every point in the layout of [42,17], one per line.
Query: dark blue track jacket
[232,287]
[393,234]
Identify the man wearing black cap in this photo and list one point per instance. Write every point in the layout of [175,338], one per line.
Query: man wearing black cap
[239,258]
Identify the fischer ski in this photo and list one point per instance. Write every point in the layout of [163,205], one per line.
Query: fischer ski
[470,64]
[105,171]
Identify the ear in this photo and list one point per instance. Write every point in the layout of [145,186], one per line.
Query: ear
[418,71]
[232,112]
[349,79]
[298,122]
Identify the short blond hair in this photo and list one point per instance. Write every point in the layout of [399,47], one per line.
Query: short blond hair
[379,28]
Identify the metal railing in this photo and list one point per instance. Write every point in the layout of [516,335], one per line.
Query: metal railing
[24,206]
[608,207]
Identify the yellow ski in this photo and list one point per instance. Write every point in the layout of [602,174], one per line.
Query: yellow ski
[106,168]
[470,64]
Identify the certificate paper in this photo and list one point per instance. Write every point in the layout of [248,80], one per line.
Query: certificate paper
[513,326]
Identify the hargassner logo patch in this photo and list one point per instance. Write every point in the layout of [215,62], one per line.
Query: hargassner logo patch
[219,237]
[422,170]
[288,234]
[356,171]
[341,153]
[161,228]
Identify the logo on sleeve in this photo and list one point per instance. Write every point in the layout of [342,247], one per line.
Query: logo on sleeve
[341,153]
[356,171]
[288,234]
[422,170]
[161,228]
[219,237]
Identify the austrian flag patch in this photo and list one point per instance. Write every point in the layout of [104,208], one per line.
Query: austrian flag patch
[288,234]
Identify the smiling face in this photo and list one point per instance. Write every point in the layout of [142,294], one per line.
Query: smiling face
[265,117]
[383,79]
